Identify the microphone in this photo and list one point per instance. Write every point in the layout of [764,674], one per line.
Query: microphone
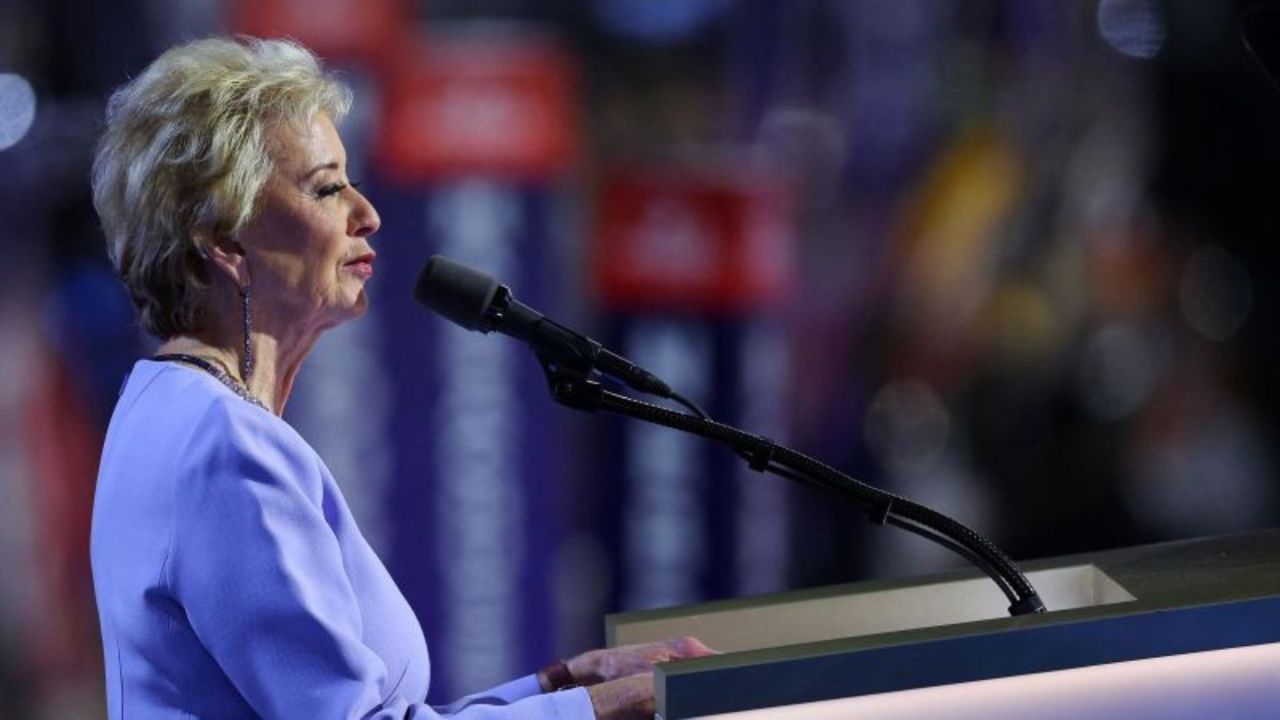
[476,301]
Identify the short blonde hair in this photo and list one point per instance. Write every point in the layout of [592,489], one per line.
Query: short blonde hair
[185,153]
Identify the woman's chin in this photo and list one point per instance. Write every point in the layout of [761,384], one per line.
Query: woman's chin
[347,309]
[361,304]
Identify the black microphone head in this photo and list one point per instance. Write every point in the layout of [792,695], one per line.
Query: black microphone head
[457,292]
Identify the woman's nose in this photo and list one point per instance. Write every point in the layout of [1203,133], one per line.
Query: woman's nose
[364,219]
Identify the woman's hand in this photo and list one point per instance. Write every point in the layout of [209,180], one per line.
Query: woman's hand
[623,699]
[600,666]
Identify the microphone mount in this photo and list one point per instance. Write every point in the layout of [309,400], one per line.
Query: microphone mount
[575,389]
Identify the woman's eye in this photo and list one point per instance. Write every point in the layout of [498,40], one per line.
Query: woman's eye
[333,189]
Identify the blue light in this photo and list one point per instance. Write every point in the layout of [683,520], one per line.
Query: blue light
[17,109]
[1133,27]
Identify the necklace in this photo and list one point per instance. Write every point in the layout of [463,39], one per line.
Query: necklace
[217,370]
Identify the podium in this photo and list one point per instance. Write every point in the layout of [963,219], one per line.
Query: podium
[1188,629]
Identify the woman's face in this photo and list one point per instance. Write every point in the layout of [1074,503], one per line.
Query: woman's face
[307,246]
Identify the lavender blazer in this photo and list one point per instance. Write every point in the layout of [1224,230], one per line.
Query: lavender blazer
[232,581]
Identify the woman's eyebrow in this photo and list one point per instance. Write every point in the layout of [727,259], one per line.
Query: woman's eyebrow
[331,165]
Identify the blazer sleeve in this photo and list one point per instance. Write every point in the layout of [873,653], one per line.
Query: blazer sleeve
[506,693]
[260,577]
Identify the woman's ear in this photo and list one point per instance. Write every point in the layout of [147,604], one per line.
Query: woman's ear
[227,256]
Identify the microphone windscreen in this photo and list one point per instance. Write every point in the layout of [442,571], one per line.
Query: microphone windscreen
[455,291]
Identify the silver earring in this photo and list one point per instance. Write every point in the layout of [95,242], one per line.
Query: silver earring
[246,360]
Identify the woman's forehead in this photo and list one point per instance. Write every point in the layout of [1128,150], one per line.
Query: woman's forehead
[301,149]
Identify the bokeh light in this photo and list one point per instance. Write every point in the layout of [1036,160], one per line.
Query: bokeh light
[1133,27]
[1215,293]
[1119,368]
[17,109]
[907,424]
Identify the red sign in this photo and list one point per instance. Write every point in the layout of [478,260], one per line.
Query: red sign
[361,30]
[488,105]
[712,243]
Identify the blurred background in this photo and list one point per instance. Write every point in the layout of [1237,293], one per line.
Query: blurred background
[1014,259]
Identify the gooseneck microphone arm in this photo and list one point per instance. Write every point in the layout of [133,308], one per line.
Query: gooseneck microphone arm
[764,455]
[571,362]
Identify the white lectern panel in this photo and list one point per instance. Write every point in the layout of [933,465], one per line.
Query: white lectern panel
[732,627]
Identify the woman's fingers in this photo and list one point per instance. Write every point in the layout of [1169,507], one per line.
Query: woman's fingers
[626,698]
[608,664]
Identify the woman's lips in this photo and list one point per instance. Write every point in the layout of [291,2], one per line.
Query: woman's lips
[361,266]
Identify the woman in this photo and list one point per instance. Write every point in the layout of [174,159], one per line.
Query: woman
[230,577]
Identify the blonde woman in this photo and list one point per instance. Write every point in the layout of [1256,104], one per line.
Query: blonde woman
[231,579]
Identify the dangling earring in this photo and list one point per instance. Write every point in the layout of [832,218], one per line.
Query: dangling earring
[246,360]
